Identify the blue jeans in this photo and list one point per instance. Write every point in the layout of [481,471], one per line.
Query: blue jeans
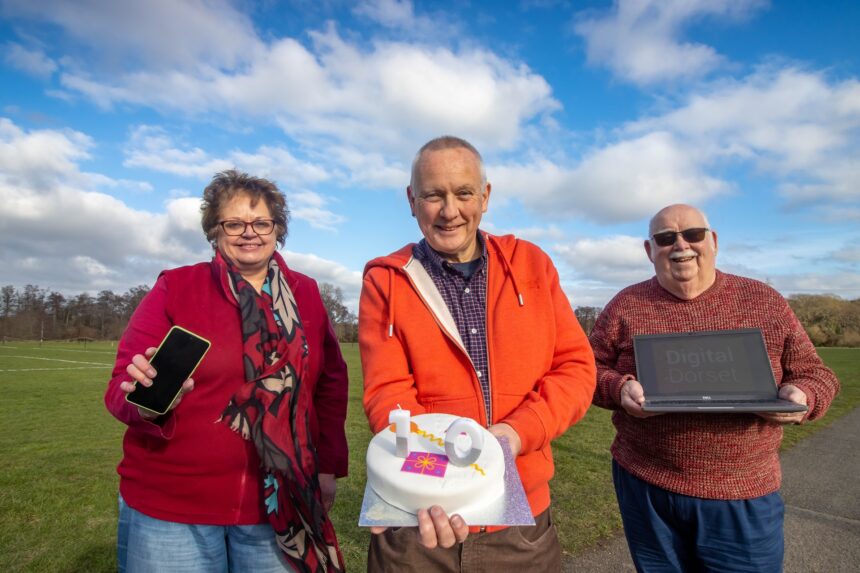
[670,532]
[148,545]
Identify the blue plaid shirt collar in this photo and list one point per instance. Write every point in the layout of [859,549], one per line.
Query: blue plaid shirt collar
[427,256]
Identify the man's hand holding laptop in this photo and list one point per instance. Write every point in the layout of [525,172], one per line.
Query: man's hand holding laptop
[632,398]
[791,393]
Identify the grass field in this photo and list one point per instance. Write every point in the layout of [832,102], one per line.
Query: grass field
[58,485]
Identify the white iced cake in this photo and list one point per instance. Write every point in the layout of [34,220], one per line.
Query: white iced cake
[427,476]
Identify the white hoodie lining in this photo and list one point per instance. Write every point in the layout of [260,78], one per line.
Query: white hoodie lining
[431,295]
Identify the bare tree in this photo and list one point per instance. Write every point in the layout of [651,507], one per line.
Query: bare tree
[345,322]
[132,298]
[587,316]
[8,300]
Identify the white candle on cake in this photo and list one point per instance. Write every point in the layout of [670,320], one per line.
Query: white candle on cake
[401,419]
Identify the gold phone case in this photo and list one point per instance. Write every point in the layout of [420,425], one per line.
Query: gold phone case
[163,340]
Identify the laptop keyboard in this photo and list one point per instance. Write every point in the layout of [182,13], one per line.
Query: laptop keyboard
[707,402]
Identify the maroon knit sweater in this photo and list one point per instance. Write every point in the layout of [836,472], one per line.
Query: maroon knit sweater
[716,456]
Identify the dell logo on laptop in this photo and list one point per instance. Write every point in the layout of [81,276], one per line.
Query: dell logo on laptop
[706,397]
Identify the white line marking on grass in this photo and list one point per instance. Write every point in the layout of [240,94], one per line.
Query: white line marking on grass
[57,349]
[56,360]
[80,350]
[52,369]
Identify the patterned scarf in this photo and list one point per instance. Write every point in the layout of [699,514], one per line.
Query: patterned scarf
[272,409]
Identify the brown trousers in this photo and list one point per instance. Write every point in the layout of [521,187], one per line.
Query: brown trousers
[523,549]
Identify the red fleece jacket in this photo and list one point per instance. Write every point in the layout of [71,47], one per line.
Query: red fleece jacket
[542,372]
[191,468]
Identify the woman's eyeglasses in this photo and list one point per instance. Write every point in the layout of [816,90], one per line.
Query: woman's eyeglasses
[667,238]
[234,227]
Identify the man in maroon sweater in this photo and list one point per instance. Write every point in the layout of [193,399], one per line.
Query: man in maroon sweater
[701,491]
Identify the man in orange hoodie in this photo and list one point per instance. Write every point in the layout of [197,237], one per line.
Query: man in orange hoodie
[474,325]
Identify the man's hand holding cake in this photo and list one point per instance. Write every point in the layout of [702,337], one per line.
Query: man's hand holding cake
[503,430]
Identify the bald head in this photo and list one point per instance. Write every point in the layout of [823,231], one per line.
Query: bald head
[673,212]
[686,266]
[442,143]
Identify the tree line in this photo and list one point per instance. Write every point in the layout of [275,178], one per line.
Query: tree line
[34,313]
[829,320]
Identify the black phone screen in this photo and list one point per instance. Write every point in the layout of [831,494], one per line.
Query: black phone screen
[176,358]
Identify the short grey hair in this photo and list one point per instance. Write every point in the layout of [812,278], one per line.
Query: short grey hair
[449,142]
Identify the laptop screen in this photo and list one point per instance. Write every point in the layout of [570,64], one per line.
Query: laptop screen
[728,363]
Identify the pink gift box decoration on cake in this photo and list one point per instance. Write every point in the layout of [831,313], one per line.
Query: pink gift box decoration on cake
[425,463]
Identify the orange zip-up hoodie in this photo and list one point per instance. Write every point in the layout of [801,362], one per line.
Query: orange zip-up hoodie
[542,372]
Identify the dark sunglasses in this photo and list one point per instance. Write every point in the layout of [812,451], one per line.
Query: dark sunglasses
[667,238]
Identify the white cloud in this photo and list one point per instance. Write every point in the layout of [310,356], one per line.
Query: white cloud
[641,40]
[623,181]
[533,234]
[310,207]
[88,240]
[594,270]
[334,94]
[389,13]
[793,263]
[838,213]
[33,62]
[41,156]
[589,294]
[325,271]
[61,233]
[370,169]
[848,254]
[53,213]
[398,18]
[280,164]
[183,213]
[616,260]
[162,33]
[791,123]
[393,93]
[151,147]
[834,178]
[845,285]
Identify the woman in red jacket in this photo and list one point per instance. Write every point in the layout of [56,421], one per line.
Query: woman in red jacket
[240,473]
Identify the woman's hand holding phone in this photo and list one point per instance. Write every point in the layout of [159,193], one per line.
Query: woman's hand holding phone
[142,372]
[164,373]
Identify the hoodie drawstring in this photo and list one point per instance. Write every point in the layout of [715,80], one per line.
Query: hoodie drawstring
[390,302]
[508,270]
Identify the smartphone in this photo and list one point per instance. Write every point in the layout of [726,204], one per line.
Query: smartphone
[174,361]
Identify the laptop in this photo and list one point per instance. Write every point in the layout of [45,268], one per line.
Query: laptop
[717,371]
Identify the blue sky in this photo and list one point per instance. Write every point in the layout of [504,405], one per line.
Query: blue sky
[591,116]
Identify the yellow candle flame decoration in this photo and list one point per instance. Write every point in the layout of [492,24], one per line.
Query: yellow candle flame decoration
[426,462]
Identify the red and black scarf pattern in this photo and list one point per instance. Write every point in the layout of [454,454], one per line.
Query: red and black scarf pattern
[272,409]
